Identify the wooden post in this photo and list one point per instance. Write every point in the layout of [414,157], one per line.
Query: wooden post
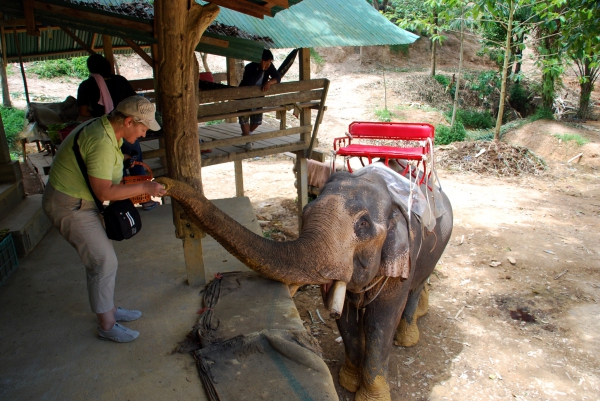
[239,178]
[180,24]
[108,51]
[301,173]
[232,79]
[21,64]
[3,76]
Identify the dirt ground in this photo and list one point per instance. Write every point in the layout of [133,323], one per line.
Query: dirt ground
[514,300]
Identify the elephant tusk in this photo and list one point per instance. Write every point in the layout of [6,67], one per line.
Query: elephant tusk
[335,299]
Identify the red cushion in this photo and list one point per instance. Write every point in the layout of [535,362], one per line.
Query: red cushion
[388,152]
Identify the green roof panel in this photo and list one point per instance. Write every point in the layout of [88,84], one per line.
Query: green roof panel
[322,23]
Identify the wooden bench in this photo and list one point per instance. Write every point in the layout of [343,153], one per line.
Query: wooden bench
[403,134]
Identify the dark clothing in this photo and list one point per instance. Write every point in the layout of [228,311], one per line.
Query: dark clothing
[253,71]
[88,93]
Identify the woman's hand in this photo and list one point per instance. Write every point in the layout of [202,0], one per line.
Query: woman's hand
[154,188]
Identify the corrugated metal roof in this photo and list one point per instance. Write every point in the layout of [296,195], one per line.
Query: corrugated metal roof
[322,23]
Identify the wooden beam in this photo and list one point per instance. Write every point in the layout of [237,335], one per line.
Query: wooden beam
[41,6]
[140,52]
[274,3]
[239,140]
[13,22]
[32,30]
[246,92]
[108,51]
[244,7]
[77,40]
[214,41]
[270,101]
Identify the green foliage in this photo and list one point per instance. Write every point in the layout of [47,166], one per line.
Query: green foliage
[520,99]
[13,120]
[445,81]
[384,115]
[316,57]
[214,122]
[484,83]
[445,135]
[542,114]
[400,49]
[572,137]
[473,119]
[75,67]
[442,79]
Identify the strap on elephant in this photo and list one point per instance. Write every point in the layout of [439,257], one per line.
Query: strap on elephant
[364,304]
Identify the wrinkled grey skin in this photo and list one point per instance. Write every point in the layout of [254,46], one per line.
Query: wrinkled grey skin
[350,231]
[368,341]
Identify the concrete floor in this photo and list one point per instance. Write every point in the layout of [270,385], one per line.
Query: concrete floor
[48,344]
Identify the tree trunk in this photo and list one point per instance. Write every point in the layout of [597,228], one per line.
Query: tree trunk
[178,34]
[434,43]
[460,64]
[505,70]
[584,100]
[4,80]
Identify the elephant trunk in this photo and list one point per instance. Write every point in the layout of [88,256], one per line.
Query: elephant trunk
[289,262]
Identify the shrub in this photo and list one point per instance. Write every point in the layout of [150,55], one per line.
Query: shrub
[445,135]
[442,79]
[75,67]
[542,114]
[13,120]
[484,83]
[474,119]
[572,137]
[214,122]
[520,99]
[445,81]
[383,115]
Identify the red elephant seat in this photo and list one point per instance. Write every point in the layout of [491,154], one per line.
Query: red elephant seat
[402,135]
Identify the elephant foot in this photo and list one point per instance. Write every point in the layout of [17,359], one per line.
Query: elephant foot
[423,306]
[378,391]
[407,334]
[349,377]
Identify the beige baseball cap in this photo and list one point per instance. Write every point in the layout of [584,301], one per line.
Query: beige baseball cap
[141,110]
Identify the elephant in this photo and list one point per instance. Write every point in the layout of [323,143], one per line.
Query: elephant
[369,239]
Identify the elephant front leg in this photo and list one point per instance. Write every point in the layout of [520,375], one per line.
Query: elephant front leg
[349,376]
[380,322]
[417,305]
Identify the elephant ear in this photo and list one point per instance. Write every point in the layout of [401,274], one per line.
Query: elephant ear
[395,253]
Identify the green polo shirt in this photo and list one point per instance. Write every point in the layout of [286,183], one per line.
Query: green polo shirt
[101,153]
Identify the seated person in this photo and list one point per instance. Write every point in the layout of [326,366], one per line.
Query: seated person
[99,95]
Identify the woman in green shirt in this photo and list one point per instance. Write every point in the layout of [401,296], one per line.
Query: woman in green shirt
[70,206]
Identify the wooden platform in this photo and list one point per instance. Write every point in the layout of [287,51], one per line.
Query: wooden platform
[218,139]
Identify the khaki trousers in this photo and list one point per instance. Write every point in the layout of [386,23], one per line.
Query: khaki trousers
[80,223]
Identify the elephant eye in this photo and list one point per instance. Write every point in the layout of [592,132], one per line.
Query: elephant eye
[363,226]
